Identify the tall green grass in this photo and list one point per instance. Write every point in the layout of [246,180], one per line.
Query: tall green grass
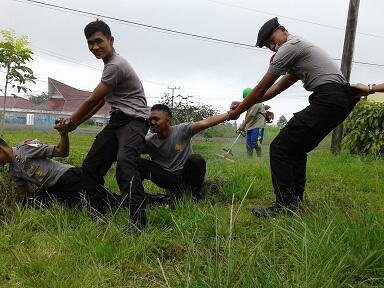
[335,240]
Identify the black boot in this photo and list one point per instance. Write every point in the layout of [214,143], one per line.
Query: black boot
[138,220]
[271,211]
[160,199]
[258,150]
[249,152]
[277,209]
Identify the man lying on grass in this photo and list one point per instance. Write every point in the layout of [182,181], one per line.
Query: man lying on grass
[173,166]
[30,163]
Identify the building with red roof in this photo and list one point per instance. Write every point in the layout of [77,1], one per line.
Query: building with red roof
[63,100]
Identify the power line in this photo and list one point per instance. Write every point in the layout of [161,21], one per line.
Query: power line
[291,18]
[361,63]
[185,34]
[147,26]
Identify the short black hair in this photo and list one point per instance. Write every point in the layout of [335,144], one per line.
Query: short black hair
[97,26]
[3,143]
[162,107]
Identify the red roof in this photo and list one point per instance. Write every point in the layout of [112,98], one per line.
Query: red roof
[62,98]
[73,97]
[66,91]
[51,105]
[15,102]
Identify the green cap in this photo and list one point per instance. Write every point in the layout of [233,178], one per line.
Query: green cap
[246,92]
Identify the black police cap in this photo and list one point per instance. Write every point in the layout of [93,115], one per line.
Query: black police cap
[266,31]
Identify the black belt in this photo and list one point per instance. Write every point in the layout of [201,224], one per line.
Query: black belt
[119,117]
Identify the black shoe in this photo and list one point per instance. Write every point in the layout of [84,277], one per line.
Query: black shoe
[161,199]
[258,151]
[198,194]
[272,211]
[132,230]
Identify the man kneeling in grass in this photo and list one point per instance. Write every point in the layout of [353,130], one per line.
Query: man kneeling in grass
[173,165]
[30,163]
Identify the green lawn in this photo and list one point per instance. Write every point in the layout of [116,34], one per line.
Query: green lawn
[336,240]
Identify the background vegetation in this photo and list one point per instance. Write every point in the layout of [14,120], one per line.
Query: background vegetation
[364,129]
[336,240]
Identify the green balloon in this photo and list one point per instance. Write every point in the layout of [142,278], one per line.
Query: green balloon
[246,92]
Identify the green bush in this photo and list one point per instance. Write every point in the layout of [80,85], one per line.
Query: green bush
[364,129]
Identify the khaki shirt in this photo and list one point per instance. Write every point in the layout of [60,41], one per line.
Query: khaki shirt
[307,62]
[258,120]
[31,163]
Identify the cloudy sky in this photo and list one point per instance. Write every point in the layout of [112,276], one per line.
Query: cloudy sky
[215,73]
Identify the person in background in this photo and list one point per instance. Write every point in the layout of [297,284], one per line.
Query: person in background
[253,124]
[269,116]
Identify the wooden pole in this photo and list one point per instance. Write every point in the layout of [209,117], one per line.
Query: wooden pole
[346,63]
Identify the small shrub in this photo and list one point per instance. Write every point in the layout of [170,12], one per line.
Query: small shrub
[364,129]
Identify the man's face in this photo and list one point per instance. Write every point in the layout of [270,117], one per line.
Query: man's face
[278,38]
[159,121]
[100,45]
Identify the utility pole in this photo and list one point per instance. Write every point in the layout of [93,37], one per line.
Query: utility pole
[346,63]
[173,94]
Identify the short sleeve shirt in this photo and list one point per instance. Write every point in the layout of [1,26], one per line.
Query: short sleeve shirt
[172,152]
[31,163]
[257,113]
[307,62]
[127,92]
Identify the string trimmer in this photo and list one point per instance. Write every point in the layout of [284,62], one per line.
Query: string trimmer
[228,151]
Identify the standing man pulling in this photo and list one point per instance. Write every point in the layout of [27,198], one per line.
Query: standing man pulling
[330,103]
[122,140]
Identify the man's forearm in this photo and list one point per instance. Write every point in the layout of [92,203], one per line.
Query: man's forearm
[281,85]
[245,122]
[90,104]
[81,114]
[62,149]
[209,122]
[256,96]
[90,113]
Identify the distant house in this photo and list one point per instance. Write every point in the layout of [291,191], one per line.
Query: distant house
[63,101]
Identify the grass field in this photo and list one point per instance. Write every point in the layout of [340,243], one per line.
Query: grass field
[336,240]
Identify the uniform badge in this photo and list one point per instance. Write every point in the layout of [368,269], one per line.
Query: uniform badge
[178,148]
[39,173]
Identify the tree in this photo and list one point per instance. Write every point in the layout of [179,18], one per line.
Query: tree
[184,110]
[282,121]
[37,99]
[14,54]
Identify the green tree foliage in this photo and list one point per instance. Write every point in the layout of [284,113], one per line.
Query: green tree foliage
[37,99]
[184,109]
[14,54]
[364,129]
[282,121]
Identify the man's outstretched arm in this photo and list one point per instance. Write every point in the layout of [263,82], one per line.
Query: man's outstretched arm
[284,83]
[256,96]
[209,122]
[90,102]
[86,110]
